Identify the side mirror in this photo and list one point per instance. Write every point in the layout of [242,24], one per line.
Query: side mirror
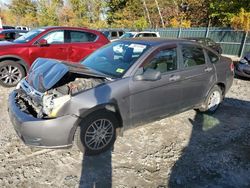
[42,42]
[149,75]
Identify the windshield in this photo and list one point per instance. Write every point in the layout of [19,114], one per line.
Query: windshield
[29,36]
[127,35]
[115,58]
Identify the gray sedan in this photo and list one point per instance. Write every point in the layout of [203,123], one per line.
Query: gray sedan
[123,84]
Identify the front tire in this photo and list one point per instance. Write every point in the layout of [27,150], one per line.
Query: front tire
[11,73]
[213,100]
[96,133]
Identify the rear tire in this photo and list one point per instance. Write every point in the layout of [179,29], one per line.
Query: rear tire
[11,73]
[213,100]
[96,133]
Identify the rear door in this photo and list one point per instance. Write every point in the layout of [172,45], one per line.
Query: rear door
[152,99]
[197,75]
[81,44]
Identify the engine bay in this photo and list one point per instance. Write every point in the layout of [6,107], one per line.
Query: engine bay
[47,104]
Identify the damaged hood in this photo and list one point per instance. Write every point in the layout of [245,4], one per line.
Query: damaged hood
[45,73]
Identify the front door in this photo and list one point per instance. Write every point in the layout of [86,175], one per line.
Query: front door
[153,99]
[56,48]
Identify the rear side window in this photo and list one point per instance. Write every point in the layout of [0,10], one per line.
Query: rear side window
[192,56]
[80,36]
[212,57]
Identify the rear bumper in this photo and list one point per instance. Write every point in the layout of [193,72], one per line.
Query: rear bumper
[47,133]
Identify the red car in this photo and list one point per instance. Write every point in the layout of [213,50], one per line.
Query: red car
[64,43]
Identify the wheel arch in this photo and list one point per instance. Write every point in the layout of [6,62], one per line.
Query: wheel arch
[110,107]
[222,86]
[18,59]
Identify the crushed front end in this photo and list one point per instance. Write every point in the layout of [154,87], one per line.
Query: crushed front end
[33,109]
[42,132]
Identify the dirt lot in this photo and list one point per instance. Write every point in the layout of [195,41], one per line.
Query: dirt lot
[186,150]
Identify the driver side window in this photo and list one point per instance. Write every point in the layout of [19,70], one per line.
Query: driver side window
[163,61]
[56,37]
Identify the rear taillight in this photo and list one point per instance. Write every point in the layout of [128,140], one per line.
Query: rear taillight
[232,66]
[2,36]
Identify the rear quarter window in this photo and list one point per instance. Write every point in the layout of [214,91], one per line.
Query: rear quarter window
[212,57]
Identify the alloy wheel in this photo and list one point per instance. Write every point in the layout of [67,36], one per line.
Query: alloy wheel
[10,74]
[99,134]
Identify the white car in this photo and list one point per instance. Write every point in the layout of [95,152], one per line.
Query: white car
[23,28]
[138,34]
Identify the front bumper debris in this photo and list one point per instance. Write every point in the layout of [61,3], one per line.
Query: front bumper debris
[47,133]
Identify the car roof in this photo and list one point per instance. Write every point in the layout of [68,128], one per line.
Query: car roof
[153,41]
[67,27]
[135,32]
[147,32]
[197,38]
[110,30]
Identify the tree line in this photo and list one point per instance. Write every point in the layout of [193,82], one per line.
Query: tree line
[132,14]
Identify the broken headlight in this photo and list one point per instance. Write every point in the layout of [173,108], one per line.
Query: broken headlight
[51,105]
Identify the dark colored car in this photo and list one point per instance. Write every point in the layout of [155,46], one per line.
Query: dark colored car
[207,42]
[125,83]
[8,27]
[243,67]
[63,43]
[11,34]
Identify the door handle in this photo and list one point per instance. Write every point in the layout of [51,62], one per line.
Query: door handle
[174,78]
[208,69]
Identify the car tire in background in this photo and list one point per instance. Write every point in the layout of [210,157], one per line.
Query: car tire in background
[212,101]
[96,133]
[11,73]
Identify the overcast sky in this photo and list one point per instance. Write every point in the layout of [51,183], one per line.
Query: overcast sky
[2,2]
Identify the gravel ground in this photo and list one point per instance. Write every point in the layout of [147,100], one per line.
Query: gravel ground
[186,150]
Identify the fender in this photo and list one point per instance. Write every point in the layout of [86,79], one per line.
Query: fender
[16,58]
[112,107]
